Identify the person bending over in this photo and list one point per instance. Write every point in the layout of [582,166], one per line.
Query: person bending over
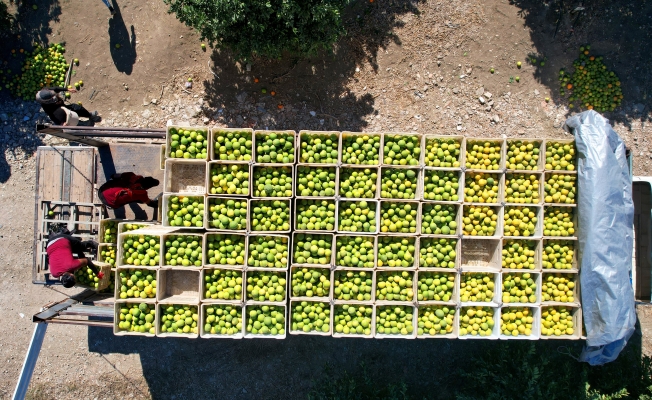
[62,249]
[127,188]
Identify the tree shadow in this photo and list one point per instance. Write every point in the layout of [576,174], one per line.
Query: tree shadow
[17,133]
[617,31]
[124,55]
[309,93]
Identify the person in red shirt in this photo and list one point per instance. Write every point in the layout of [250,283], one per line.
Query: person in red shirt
[61,249]
[127,188]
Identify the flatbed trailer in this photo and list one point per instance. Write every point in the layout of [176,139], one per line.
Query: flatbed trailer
[66,183]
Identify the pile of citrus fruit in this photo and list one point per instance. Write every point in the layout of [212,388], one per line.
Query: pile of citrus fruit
[43,67]
[592,86]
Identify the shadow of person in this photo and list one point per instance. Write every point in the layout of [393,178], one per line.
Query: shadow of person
[123,48]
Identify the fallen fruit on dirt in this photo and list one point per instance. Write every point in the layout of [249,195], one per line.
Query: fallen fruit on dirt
[316,181]
[476,321]
[43,67]
[266,320]
[437,253]
[353,319]
[559,287]
[394,286]
[137,283]
[179,319]
[137,317]
[477,287]
[396,251]
[223,319]
[358,183]
[188,143]
[312,249]
[272,181]
[435,286]
[515,321]
[268,251]
[311,282]
[266,286]
[227,214]
[402,150]
[308,316]
[225,249]
[352,285]
[557,321]
[395,320]
[275,147]
[186,211]
[232,146]
[222,284]
[435,320]
[361,149]
[593,86]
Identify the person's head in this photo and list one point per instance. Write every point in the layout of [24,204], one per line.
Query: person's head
[67,279]
[47,96]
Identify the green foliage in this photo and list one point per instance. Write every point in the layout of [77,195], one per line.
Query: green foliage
[264,27]
[359,387]
[6,20]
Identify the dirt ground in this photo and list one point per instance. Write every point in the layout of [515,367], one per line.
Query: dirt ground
[405,66]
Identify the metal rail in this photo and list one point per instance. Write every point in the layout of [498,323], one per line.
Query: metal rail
[85,134]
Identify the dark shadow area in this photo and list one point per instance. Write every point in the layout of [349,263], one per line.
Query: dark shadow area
[124,157]
[326,367]
[311,93]
[619,31]
[17,118]
[124,55]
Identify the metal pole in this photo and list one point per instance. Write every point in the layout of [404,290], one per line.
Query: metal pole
[30,361]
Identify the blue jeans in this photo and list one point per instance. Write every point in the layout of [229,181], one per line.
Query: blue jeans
[107,3]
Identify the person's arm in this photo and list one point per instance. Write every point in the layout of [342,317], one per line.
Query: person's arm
[59,89]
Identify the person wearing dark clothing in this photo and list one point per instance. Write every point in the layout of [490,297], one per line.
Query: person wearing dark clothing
[111,9]
[62,249]
[127,188]
[60,113]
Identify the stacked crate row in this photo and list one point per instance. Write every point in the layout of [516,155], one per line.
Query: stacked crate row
[339,180]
